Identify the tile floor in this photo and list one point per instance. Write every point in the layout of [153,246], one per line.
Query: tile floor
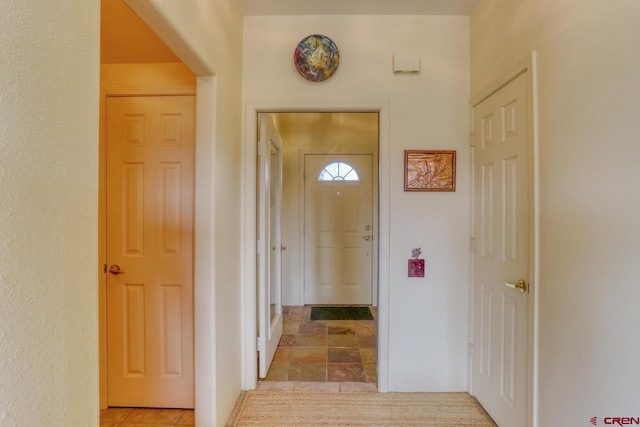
[143,417]
[340,351]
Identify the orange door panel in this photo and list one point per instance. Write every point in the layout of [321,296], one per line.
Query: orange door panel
[150,198]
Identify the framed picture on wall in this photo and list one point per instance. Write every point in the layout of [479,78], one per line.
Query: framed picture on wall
[429,170]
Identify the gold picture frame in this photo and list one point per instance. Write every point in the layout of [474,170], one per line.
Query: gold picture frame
[429,170]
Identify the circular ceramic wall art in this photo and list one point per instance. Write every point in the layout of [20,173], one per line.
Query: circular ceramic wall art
[316,57]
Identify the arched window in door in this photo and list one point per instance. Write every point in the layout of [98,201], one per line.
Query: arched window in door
[338,171]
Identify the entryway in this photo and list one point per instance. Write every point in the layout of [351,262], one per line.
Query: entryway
[327,243]
[335,353]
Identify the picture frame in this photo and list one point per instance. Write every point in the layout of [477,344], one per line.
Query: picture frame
[429,170]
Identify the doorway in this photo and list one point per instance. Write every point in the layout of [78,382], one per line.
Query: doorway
[333,140]
[249,157]
[149,205]
[504,213]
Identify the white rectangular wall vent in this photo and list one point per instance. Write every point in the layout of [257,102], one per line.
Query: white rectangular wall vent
[406,64]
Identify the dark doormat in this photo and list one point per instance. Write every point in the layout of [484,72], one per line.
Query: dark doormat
[341,313]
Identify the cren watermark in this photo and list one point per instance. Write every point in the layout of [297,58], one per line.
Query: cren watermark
[616,421]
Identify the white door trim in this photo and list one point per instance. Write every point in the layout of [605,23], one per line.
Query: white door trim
[527,65]
[248,212]
[375,218]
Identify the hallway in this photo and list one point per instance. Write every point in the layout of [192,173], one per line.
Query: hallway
[333,351]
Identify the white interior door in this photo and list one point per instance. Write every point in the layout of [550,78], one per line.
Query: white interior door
[501,215]
[338,231]
[269,257]
[150,190]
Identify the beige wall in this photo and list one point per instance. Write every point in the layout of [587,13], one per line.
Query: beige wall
[428,326]
[48,213]
[589,75]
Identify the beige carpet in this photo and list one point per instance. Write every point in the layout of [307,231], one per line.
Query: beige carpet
[302,409]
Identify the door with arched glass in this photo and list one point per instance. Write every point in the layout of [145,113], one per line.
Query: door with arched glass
[338,229]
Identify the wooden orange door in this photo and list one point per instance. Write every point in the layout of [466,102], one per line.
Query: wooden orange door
[150,198]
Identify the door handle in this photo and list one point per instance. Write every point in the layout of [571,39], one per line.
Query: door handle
[367,237]
[115,269]
[521,284]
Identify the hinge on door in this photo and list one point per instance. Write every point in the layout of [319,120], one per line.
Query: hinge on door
[471,350]
[259,247]
[472,245]
[260,344]
[105,268]
[472,139]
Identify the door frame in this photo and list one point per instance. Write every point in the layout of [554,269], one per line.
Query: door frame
[114,86]
[248,212]
[527,65]
[375,217]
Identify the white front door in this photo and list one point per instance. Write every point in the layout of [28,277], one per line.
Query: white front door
[338,230]
[269,242]
[501,259]
[150,190]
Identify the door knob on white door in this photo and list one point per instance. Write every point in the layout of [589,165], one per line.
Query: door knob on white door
[521,284]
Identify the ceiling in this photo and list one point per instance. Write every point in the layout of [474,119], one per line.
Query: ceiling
[125,38]
[357,7]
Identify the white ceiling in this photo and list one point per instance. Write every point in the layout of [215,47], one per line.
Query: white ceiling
[357,7]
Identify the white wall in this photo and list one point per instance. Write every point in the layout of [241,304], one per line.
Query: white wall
[48,213]
[589,76]
[428,317]
[207,36]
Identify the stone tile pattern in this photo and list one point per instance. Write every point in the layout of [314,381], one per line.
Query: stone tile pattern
[134,417]
[341,351]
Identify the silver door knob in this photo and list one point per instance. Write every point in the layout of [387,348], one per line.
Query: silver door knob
[115,269]
[367,237]
[521,285]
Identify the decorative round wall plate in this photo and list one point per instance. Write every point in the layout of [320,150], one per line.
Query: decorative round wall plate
[316,57]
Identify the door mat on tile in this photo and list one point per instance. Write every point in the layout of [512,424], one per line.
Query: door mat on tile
[341,313]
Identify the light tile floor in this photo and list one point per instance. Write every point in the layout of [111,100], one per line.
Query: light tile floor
[340,351]
[143,417]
